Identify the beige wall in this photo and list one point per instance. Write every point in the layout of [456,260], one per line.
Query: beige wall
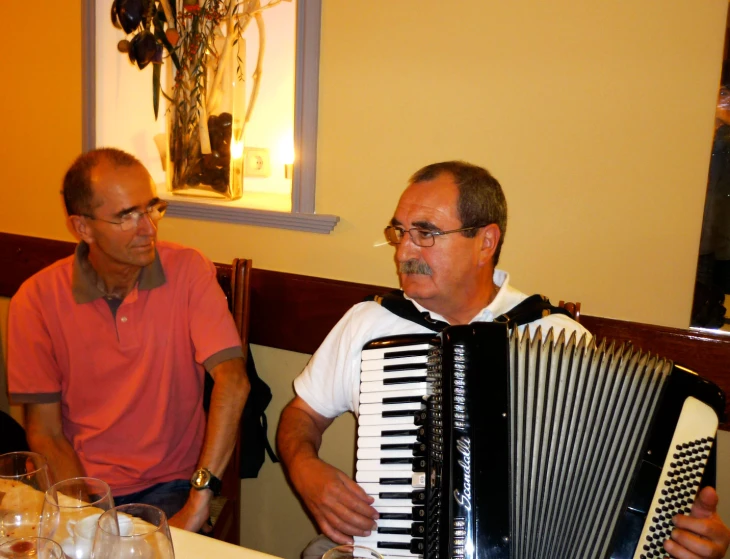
[596,117]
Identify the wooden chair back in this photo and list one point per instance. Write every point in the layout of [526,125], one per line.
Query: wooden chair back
[226,510]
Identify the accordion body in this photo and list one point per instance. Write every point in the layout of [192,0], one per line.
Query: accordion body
[481,443]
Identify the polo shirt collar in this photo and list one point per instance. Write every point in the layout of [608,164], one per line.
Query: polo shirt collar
[501,303]
[85,280]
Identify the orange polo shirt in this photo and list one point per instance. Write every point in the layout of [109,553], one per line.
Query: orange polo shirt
[130,383]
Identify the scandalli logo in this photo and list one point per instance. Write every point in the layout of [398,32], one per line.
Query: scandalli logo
[463,497]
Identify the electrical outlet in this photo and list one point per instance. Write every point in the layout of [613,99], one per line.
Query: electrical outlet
[256,162]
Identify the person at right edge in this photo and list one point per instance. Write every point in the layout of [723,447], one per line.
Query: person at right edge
[448,230]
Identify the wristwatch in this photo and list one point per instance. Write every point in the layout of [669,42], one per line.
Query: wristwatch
[203,479]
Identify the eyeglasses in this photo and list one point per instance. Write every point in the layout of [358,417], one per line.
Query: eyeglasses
[130,220]
[421,237]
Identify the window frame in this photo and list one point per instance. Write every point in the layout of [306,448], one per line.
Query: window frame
[306,102]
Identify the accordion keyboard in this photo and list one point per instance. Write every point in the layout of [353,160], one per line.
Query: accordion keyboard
[391,450]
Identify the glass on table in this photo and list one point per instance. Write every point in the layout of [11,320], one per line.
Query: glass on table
[24,480]
[349,551]
[38,548]
[71,509]
[133,531]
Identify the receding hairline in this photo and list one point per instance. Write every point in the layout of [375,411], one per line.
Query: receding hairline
[108,165]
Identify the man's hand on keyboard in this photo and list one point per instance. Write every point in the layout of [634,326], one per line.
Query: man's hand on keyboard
[340,507]
[702,534]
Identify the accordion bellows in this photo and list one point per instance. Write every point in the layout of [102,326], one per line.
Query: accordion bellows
[484,443]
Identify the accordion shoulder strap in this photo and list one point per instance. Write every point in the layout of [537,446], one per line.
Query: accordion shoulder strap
[529,310]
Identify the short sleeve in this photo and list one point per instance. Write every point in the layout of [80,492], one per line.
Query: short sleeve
[212,328]
[328,381]
[33,372]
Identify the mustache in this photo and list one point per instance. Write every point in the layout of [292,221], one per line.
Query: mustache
[415,266]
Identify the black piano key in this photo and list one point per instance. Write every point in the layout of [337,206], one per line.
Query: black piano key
[418,513]
[396,460]
[397,413]
[417,529]
[403,380]
[405,367]
[405,353]
[403,446]
[415,546]
[395,481]
[402,399]
[416,497]
[401,433]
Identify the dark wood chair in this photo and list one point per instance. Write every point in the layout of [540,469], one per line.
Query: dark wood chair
[226,509]
[572,308]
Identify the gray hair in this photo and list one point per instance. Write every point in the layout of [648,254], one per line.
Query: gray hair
[481,199]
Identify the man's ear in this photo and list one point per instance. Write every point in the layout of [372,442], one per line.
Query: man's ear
[79,227]
[490,239]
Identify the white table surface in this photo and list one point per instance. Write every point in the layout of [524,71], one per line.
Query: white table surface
[189,545]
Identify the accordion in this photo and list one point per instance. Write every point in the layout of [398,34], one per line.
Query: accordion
[486,443]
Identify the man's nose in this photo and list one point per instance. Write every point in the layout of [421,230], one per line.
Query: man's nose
[407,249]
[146,226]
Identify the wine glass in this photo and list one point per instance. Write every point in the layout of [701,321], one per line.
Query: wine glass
[24,480]
[70,511]
[133,531]
[38,548]
[349,551]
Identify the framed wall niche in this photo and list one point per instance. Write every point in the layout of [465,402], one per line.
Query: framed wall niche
[117,111]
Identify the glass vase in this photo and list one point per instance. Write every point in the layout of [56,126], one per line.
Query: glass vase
[207,111]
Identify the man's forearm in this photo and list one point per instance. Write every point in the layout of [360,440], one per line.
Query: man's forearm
[298,436]
[229,396]
[63,462]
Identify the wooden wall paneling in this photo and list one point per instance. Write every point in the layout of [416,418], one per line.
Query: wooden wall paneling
[295,312]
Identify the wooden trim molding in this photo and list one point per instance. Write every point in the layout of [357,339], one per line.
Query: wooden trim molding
[295,312]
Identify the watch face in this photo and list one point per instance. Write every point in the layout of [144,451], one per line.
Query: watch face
[201,478]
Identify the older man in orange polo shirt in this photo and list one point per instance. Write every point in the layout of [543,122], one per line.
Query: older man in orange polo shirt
[108,350]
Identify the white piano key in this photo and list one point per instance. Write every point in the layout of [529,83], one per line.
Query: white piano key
[391,503]
[380,353]
[418,480]
[374,397]
[378,386]
[379,420]
[377,453]
[380,408]
[375,476]
[376,488]
[375,465]
[377,442]
[385,523]
[369,376]
[375,364]
[381,430]
[398,538]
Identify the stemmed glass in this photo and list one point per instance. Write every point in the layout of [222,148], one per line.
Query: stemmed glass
[37,548]
[70,511]
[24,480]
[133,531]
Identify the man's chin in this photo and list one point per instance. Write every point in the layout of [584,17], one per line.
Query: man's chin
[416,286]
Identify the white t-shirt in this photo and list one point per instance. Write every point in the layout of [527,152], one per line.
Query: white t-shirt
[330,383]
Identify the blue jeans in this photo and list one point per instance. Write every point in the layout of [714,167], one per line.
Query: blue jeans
[170,496]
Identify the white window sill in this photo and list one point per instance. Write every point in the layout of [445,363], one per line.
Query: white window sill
[254,208]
